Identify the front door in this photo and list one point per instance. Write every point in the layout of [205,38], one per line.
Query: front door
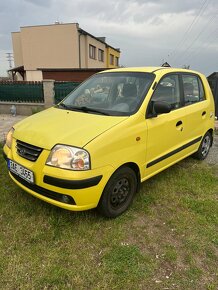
[167,133]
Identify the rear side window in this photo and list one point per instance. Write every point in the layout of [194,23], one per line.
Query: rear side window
[193,89]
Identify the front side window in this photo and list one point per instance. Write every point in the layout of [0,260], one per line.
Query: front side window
[117,61]
[92,51]
[193,89]
[114,93]
[168,91]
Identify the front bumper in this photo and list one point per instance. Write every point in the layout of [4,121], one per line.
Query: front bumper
[72,184]
[68,189]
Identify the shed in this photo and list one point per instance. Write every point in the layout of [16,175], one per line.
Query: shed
[213,82]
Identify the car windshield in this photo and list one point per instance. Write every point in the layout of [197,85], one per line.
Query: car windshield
[111,93]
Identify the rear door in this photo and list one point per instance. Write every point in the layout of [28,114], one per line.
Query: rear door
[196,105]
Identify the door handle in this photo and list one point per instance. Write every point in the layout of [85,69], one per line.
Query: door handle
[179,123]
[204,113]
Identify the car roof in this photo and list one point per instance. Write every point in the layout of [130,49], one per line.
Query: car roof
[150,69]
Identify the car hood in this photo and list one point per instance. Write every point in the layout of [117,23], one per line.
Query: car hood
[58,126]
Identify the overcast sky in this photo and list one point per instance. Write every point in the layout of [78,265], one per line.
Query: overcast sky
[148,32]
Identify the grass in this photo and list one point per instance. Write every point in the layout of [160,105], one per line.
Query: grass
[168,239]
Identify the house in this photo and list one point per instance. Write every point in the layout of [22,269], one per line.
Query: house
[60,49]
[213,82]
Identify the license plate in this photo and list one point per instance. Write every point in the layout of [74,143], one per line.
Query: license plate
[21,171]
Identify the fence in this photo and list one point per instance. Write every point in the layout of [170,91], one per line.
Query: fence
[29,97]
[62,89]
[21,92]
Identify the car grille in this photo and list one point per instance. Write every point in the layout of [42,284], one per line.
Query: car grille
[28,151]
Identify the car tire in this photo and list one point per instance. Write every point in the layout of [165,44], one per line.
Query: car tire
[204,147]
[118,193]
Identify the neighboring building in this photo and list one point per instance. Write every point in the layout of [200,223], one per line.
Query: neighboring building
[213,82]
[59,47]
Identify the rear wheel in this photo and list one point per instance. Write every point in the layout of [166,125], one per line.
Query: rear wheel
[118,193]
[204,147]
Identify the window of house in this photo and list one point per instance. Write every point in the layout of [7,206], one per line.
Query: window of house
[117,61]
[100,55]
[193,89]
[92,51]
[168,91]
[111,59]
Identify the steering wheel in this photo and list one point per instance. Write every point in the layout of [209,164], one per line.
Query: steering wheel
[82,100]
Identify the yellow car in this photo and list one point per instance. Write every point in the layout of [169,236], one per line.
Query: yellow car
[114,131]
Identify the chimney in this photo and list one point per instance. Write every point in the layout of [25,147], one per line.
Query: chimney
[102,38]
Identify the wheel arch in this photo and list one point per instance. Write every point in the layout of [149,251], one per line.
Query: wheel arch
[136,169]
[106,204]
[211,132]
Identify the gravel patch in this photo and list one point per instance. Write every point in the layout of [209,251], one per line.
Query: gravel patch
[212,157]
[6,122]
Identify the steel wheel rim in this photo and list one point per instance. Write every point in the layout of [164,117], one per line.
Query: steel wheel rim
[205,146]
[120,193]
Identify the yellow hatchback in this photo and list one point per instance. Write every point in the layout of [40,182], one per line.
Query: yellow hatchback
[114,131]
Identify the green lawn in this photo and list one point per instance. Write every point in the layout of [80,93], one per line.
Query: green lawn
[168,239]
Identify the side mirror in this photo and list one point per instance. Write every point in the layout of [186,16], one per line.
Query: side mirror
[161,108]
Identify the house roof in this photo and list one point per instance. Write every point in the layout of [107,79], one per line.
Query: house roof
[81,31]
[17,69]
[71,69]
[213,75]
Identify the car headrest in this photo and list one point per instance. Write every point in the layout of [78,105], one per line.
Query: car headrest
[129,90]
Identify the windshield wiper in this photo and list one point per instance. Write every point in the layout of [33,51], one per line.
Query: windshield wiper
[68,107]
[62,105]
[88,109]
[83,109]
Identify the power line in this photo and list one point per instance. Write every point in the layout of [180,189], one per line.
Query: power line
[207,42]
[195,20]
[199,34]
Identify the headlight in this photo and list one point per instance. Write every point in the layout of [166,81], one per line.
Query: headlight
[9,138]
[68,157]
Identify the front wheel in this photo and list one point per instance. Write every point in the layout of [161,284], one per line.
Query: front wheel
[118,193]
[204,147]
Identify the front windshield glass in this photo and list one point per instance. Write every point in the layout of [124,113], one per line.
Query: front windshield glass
[113,93]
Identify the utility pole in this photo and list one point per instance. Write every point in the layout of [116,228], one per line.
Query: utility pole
[9,56]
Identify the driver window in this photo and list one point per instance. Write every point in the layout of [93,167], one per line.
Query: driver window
[168,91]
